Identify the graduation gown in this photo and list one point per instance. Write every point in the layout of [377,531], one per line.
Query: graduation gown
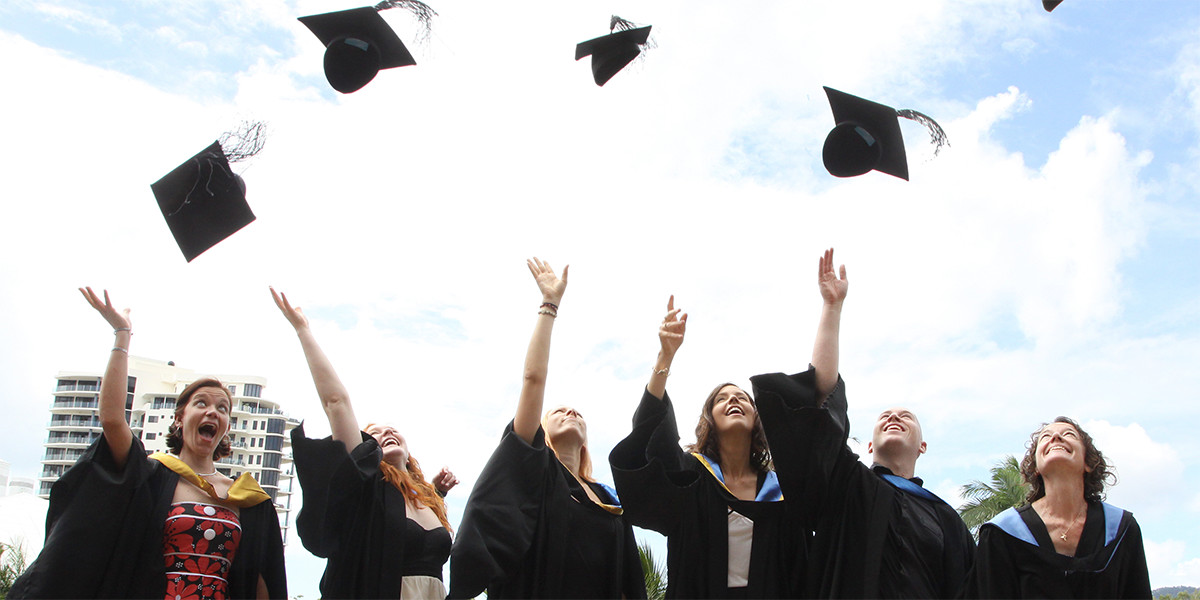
[874,535]
[1017,559]
[672,492]
[354,518]
[530,531]
[104,534]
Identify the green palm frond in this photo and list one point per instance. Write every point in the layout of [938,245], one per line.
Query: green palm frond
[1006,489]
[654,573]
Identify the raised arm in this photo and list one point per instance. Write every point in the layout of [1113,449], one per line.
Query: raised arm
[334,397]
[825,349]
[116,376]
[670,338]
[537,358]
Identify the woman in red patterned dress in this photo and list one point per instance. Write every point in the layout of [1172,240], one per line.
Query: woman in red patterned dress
[122,524]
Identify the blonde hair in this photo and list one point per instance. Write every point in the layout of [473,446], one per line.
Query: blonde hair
[585,459]
[411,483]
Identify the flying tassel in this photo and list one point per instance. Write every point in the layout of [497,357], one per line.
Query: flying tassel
[245,141]
[936,133]
[423,13]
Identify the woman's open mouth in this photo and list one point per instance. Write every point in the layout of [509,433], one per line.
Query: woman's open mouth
[207,431]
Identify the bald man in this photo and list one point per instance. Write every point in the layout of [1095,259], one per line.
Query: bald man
[875,532]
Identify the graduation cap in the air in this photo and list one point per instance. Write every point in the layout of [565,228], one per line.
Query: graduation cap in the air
[867,137]
[1050,5]
[203,200]
[610,53]
[358,42]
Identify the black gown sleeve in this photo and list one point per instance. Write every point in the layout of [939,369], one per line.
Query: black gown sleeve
[648,467]
[100,530]
[334,483]
[501,517]
[807,434]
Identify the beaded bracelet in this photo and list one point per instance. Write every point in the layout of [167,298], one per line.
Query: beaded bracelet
[553,314]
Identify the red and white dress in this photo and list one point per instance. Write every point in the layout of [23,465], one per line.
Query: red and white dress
[199,542]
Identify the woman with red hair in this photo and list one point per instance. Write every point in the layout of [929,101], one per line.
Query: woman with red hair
[367,506]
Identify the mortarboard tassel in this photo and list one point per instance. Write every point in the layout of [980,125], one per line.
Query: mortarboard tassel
[423,13]
[936,133]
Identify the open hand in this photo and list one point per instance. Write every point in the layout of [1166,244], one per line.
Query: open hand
[674,325]
[118,320]
[833,288]
[294,315]
[551,286]
[444,481]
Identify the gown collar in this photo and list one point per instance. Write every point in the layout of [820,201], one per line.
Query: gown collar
[245,491]
[768,492]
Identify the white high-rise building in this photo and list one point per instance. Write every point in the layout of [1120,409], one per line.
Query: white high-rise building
[258,428]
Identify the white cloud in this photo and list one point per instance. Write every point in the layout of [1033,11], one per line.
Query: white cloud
[1149,473]
[1163,561]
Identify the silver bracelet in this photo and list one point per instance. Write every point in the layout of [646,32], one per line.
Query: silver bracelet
[120,329]
[664,372]
[125,350]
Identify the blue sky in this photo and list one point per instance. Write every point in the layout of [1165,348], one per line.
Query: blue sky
[1043,264]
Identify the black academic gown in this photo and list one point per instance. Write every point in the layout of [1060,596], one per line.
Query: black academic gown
[1016,558]
[530,531]
[351,516]
[670,491]
[104,534]
[871,538]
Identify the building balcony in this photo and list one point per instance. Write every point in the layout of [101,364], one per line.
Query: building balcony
[64,404]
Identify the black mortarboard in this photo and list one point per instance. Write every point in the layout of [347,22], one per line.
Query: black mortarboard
[1050,5]
[867,137]
[610,53]
[358,43]
[203,201]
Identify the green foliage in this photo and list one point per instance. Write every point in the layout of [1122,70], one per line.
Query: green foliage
[654,572]
[12,564]
[1007,489]
[1180,592]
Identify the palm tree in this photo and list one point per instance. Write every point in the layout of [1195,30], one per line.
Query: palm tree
[12,564]
[653,572]
[1007,489]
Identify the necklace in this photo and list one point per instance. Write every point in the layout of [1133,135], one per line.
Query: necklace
[1063,536]
[207,474]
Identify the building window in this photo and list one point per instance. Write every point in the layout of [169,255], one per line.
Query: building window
[274,443]
[233,390]
[259,461]
[252,390]
[150,436]
[152,419]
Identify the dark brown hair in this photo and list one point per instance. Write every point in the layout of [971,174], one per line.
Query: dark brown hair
[1093,481]
[175,436]
[707,436]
